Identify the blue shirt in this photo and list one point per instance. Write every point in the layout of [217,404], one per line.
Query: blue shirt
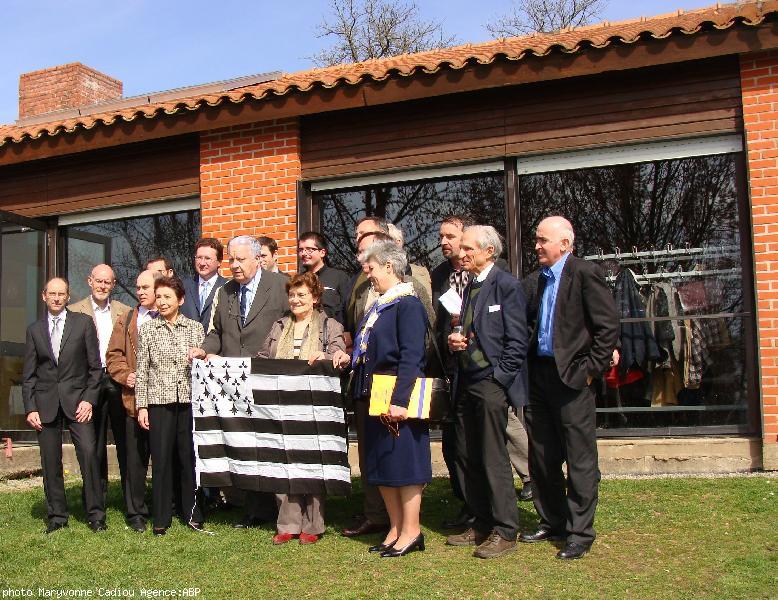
[547,306]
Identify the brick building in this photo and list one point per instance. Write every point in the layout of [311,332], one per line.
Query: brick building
[657,137]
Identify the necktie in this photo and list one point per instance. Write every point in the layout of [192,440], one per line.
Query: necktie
[243,290]
[56,337]
[203,293]
[153,314]
[458,280]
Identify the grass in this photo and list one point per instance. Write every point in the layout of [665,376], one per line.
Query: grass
[657,538]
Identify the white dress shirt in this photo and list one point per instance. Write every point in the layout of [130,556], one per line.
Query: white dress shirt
[145,314]
[104,326]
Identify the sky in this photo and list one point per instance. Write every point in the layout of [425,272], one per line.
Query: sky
[157,45]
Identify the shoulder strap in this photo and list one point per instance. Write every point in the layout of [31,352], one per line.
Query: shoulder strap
[431,335]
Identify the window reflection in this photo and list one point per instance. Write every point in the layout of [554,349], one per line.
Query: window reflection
[666,234]
[127,244]
[417,208]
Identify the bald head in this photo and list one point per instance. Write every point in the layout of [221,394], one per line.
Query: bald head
[101,281]
[554,238]
[144,288]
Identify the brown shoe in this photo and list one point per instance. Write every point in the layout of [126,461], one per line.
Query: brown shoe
[470,537]
[366,527]
[494,546]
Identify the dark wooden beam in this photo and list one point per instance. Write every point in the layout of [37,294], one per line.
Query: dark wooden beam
[616,57]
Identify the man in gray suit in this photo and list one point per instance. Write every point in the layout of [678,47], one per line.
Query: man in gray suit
[244,312]
[61,384]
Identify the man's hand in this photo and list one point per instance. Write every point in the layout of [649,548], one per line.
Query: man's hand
[195,353]
[457,342]
[84,412]
[143,418]
[34,420]
[131,380]
[616,357]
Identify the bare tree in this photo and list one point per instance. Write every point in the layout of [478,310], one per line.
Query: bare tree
[366,29]
[546,16]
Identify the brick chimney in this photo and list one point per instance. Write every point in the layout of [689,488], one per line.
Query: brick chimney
[67,86]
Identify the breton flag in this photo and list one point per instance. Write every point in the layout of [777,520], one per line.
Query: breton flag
[269,426]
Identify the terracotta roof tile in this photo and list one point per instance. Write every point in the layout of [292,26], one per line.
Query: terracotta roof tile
[721,16]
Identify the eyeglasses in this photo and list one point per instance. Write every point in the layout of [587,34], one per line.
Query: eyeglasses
[308,250]
[392,426]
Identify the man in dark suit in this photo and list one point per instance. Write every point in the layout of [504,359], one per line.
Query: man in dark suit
[62,371]
[312,251]
[490,377]
[575,328]
[245,311]
[201,289]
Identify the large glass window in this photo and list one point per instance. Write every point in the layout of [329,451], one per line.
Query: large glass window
[126,244]
[415,207]
[667,235]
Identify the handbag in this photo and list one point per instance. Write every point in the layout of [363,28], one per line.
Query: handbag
[429,398]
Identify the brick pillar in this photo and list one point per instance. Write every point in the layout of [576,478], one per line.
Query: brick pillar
[759,79]
[248,184]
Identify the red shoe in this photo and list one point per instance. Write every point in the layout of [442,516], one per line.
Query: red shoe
[308,538]
[282,538]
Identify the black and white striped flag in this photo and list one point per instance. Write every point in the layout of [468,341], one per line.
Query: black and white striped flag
[270,426]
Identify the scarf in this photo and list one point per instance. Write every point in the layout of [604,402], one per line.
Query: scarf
[311,341]
[390,297]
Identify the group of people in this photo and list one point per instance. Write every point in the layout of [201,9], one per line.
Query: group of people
[521,358]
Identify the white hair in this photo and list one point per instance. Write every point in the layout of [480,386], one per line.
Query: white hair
[396,234]
[486,236]
[246,240]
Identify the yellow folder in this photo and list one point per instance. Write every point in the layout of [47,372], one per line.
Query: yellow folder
[381,396]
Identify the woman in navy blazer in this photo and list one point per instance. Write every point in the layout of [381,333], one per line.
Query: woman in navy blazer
[391,340]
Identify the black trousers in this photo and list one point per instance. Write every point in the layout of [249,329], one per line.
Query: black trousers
[109,408]
[561,425]
[50,443]
[137,466]
[482,454]
[448,430]
[172,457]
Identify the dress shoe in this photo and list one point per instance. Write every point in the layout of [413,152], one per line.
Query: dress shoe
[381,547]
[495,546]
[248,523]
[55,526]
[308,538]
[139,526]
[366,527]
[470,537]
[282,538]
[97,526]
[525,495]
[195,525]
[541,535]
[416,544]
[462,520]
[573,550]
[159,531]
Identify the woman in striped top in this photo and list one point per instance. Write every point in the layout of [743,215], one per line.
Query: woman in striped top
[307,334]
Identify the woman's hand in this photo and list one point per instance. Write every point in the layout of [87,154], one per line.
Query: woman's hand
[315,356]
[143,418]
[397,413]
[340,359]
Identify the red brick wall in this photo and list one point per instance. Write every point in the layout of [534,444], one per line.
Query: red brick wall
[66,86]
[248,184]
[759,78]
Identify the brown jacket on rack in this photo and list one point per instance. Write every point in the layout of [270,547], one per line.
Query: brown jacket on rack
[121,357]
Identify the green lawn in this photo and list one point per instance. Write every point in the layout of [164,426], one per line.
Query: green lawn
[658,538]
